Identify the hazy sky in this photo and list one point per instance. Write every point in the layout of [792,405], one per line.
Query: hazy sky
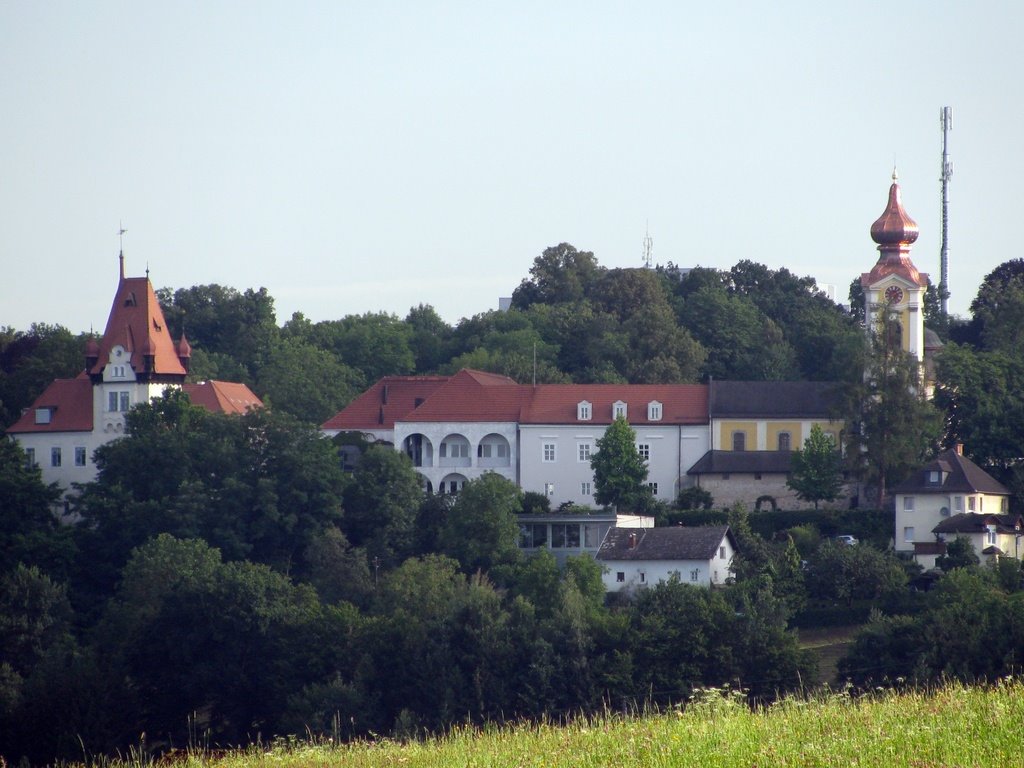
[355,157]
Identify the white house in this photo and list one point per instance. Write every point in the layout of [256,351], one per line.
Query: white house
[946,487]
[639,558]
[134,361]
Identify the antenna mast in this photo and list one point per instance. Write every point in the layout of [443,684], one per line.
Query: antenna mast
[946,120]
[648,245]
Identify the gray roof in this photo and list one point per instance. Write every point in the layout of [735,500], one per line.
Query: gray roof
[762,462]
[970,522]
[960,475]
[666,543]
[774,399]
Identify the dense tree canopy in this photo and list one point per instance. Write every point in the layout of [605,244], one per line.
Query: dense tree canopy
[620,473]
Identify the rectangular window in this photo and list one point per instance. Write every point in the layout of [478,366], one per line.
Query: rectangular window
[1003,504]
[990,534]
[694,574]
[654,411]
[644,449]
[585,489]
[958,503]
[43,415]
[532,535]
[618,410]
[908,503]
[584,451]
[933,477]
[583,411]
[654,488]
[593,534]
[55,457]
[739,441]
[784,441]
[442,450]
[908,534]
[970,503]
[79,457]
[502,451]
[565,536]
[125,405]
[721,552]
[549,452]
[643,577]
[483,451]
[459,450]
[620,576]
[112,401]
[30,457]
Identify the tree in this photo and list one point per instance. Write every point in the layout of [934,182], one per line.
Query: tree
[816,469]
[559,275]
[619,471]
[30,532]
[481,531]
[959,554]
[381,504]
[891,425]
[258,486]
[307,382]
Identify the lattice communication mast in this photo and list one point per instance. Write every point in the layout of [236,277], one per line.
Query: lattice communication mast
[648,246]
[946,120]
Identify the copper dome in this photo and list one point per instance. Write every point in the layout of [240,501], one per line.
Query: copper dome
[894,226]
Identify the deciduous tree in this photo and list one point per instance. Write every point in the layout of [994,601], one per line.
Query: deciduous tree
[620,473]
[816,469]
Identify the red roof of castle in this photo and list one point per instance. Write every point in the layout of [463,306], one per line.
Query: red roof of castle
[137,323]
[556,403]
[70,404]
[479,396]
[222,396]
[388,400]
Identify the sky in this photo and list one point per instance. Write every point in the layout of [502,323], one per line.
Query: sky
[363,157]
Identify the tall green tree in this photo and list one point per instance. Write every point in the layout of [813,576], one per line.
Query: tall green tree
[561,274]
[891,425]
[620,474]
[481,530]
[816,470]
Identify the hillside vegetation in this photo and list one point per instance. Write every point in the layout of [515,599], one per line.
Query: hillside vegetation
[952,725]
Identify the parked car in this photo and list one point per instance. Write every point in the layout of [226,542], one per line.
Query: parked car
[847,539]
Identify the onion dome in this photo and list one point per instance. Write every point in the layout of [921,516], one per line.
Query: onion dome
[894,227]
[184,348]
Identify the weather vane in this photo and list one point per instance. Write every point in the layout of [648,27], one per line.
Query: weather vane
[120,235]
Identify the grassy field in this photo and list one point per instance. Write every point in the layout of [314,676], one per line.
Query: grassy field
[951,726]
[828,645]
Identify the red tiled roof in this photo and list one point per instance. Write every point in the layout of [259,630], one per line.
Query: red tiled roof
[70,401]
[479,396]
[473,396]
[137,323]
[556,403]
[222,396]
[390,399]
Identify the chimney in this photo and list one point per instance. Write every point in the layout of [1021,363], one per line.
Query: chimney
[959,448]
[384,394]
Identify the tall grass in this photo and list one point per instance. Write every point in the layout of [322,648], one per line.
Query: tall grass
[954,725]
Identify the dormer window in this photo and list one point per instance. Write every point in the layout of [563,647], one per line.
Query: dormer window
[934,477]
[618,409]
[44,415]
[654,411]
[583,410]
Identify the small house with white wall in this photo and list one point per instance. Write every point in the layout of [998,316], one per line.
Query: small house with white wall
[634,559]
[946,487]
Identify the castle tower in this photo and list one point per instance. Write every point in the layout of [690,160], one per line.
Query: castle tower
[894,282]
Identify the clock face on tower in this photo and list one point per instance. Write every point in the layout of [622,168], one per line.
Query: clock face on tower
[894,294]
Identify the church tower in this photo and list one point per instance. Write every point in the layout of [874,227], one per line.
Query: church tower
[894,282]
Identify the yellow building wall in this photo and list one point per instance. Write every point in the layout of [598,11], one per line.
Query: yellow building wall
[727,428]
[775,428]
